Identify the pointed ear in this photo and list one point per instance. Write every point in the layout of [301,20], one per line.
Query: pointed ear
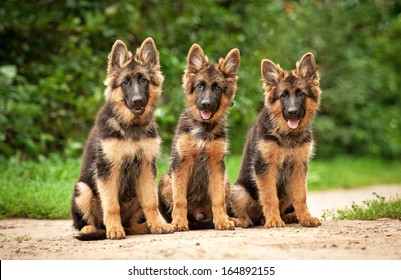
[306,67]
[231,63]
[196,58]
[271,73]
[118,56]
[148,54]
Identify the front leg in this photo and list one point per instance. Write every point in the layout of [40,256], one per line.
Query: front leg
[297,194]
[217,194]
[147,197]
[179,178]
[108,190]
[268,197]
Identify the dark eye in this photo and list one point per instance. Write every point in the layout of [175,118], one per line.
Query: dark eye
[284,95]
[217,88]
[125,82]
[142,80]
[301,93]
[199,86]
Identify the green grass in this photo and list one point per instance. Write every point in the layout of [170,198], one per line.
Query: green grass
[349,172]
[42,189]
[37,189]
[340,172]
[370,210]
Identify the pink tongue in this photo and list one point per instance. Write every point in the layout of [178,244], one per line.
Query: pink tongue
[206,114]
[293,123]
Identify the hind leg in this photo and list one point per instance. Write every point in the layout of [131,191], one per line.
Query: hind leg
[246,210]
[88,229]
[290,218]
[241,222]
[136,228]
[132,214]
[287,212]
[239,201]
[85,209]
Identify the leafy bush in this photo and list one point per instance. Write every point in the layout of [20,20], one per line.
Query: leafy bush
[53,63]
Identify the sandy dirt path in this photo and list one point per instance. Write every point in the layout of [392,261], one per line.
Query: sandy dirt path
[381,239]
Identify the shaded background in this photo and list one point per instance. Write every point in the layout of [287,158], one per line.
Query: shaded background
[53,59]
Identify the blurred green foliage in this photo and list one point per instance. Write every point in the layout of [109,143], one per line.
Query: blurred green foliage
[53,59]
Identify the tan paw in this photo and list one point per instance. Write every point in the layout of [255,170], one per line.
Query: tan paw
[274,222]
[88,229]
[309,221]
[180,225]
[161,228]
[242,222]
[236,221]
[115,233]
[224,224]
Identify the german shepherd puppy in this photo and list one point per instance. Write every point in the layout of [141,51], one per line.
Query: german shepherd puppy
[196,188]
[271,186]
[116,185]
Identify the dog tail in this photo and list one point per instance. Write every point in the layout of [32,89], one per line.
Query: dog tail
[100,234]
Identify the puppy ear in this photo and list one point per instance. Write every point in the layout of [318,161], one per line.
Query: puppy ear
[307,67]
[119,56]
[148,54]
[196,59]
[271,73]
[231,63]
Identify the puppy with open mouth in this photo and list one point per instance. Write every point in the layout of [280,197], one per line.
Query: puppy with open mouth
[271,186]
[193,194]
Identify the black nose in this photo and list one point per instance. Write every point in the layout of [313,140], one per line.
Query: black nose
[137,100]
[205,104]
[292,112]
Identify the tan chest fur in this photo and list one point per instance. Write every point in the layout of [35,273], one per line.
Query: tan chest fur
[274,153]
[117,150]
[188,145]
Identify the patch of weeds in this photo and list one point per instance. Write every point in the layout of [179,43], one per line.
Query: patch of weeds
[22,238]
[376,208]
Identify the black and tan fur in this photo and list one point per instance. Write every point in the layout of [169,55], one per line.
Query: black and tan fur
[196,188]
[116,188]
[271,186]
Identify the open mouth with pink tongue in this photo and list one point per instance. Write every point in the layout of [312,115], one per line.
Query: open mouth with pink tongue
[138,110]
[293,123]
[206,114]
